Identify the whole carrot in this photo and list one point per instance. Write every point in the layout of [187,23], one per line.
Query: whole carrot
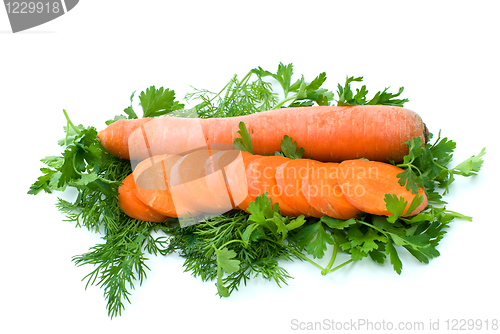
[326,133]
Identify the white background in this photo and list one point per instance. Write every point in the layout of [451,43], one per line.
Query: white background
[90,60]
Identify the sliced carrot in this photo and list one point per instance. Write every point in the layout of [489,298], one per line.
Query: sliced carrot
[213,182]
[151,177]
[327,133]
[132,206]
[263,181]
[250,162]
[289,179]
[196,183]
[323,192]
[230,163]
[365,184]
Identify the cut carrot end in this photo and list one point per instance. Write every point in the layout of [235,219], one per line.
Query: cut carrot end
[151,184]
[132,206]
[365,184]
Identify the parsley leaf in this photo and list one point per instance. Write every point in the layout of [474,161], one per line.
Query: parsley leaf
[244,143]
[283,75]
[47,182]
[410,180]
[395,205]
[154,102]
[158,102]
[346,96]
[289,148]
[314,238]
[384,98]
[393,255]
[427,166]
[360,244]
[226,262]
[265,214]
[470,166]
[129,110]
[305,94]
[336,223]
[442,150]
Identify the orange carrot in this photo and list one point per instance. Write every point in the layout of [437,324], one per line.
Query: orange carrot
[365,184]
[326,133]
[323,192]
[231,164]
[194,180]
[289,179]
[214,182]
[250,161]
[192,184]
[152,188]
[115,141]
[263,180]
[132,206]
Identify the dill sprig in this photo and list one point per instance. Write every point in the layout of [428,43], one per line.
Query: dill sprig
[199,243]
[236,98]
[120,261]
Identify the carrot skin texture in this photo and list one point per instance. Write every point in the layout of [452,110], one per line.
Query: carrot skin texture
[365,183]
[115,137]
[327,133]
[132,206]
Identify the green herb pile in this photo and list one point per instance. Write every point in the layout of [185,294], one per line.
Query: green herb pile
[237,246]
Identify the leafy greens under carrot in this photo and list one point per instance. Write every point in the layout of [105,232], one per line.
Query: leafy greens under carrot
[237,246]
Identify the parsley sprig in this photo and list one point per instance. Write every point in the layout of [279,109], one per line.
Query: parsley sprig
[154,102]
[427,165]
[346,96]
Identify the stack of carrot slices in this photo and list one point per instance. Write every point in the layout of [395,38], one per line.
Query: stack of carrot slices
[218,181]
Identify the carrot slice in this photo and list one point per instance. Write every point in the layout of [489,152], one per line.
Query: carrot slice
[323,192]
[132,206]
[229,164]
[289,179]
[265,172]
[252,180]
[197,184]
[365,184]
[152,180]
